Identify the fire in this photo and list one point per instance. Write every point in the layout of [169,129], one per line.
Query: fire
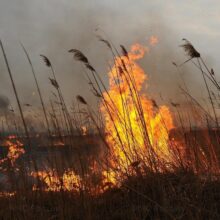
[137,128]
[15,149]
[69,181]
[109,178]
[84,130]
[59,144]
[7,194]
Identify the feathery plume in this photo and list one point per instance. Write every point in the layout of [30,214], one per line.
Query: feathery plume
[124,51]
[154,103]
[54,83]
[190,50]
[78,55]
[46,60]
[105,42]
[81,99]
[90,67]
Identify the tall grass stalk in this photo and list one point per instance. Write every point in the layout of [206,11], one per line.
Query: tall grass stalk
[15,92]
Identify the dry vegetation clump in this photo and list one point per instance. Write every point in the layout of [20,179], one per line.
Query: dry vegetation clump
[156,196]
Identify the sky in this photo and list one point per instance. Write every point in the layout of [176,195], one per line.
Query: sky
[52,27]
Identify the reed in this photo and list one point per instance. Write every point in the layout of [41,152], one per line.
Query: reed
[82,181]
[15,92]
[38,89]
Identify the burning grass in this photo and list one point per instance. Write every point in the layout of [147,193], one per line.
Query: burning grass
[134,159]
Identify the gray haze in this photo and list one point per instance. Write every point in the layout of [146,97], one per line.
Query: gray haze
[4,103]
[52,27]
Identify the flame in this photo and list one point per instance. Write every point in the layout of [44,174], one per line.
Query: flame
[69,181]
[7,194]
[15,149]
[136,126]
[109,179]
[59,144]
[84,130]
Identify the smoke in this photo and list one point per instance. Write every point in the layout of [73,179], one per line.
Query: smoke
[53,27]
[4,103]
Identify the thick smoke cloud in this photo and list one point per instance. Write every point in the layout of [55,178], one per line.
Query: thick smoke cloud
[53,27]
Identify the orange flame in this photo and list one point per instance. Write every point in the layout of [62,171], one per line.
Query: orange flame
[69,181]
[84,130]
[134,124]
[15,149]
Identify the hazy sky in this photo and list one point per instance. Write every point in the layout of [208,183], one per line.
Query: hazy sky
[52,27]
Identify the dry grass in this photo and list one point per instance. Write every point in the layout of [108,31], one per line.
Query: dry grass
[149,188]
